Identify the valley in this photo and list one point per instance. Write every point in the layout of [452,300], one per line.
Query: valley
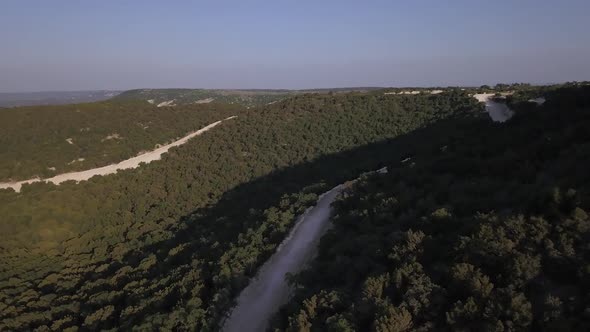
[216,255]
[294,166]
[177,209]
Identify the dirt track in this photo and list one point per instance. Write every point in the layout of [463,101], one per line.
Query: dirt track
[113,168]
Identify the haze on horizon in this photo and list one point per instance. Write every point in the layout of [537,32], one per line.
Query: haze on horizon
[64,45]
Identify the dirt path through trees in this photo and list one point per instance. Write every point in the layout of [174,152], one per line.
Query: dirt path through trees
[113,168]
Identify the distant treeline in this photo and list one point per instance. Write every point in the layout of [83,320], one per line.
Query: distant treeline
[246,98]
[13,99]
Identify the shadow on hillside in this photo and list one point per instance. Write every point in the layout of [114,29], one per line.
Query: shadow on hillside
[191,269]
[208,233]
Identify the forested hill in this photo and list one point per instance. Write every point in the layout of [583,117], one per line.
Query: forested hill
[42,141]
[54,97]
[483,229]
[162,97]
[247,98]
[169,245]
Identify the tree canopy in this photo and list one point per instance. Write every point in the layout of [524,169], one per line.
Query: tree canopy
[476,226]
[486,228]
[169,245]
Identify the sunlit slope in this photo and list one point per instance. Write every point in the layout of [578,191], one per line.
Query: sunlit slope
[247,98]
[43,141]
[164,97]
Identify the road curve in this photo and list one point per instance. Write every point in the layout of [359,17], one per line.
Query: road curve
[133,162]
[269,290]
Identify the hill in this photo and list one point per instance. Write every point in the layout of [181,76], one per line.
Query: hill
[170,245]
[485,228]
[248,98]
[42,141]
[168,97]
[472,228]
[54,97]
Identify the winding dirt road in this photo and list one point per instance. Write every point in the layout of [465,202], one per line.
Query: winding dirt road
[269,289]
[133,162]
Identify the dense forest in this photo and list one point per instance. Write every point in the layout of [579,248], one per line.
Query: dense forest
[14,99]
[476,226]
[171,244]
[42,141]
[482,228]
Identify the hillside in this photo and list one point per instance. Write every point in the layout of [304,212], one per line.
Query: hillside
[43,141]
[483,229]
[247,98]
[471,228]
[171,244]
[54,97]
[167,97]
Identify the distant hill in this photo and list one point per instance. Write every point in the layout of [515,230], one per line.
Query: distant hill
[54,97]
[476,226]
[484,228]
[173,97]
[248,98]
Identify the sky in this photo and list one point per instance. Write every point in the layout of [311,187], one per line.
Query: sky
[86,45]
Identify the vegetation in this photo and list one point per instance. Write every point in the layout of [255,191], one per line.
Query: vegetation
[485,228]
[247,98]
[477,225]
[53,97]
[44,141]
[168,246]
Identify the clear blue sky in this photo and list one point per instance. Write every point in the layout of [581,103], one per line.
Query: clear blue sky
[77,45]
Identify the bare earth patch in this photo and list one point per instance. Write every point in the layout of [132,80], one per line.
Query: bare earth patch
[111,136]
[167,103]
[204,101]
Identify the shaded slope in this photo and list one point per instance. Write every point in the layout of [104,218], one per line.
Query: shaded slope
[485,230]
